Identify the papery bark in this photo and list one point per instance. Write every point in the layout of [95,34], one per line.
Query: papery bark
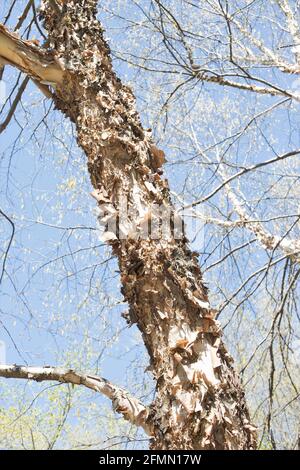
[199,402]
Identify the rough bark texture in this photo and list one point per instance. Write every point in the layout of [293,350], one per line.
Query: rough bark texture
[199,402]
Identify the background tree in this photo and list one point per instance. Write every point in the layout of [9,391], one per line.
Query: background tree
[218,134]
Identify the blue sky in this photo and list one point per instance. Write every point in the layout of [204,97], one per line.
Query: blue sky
[37,174]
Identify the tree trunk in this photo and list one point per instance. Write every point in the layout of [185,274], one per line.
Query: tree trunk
[199,400]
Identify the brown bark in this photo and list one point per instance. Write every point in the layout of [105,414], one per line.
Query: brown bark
[199,401]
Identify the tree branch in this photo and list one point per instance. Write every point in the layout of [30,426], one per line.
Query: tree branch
[9,243]
[35,61]
[55,7]
[242,172]
[131,408]
[290,247]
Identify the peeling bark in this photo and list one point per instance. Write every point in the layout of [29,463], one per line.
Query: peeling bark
[199,402]
[29,58]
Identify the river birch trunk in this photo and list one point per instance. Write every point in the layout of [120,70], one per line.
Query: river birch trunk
[199,403]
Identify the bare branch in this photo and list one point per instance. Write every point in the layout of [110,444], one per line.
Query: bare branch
[131,408]
[9,243]
[292,25]
[55,6]
[24,15]
[290,248]
[243,171]
[29,58]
